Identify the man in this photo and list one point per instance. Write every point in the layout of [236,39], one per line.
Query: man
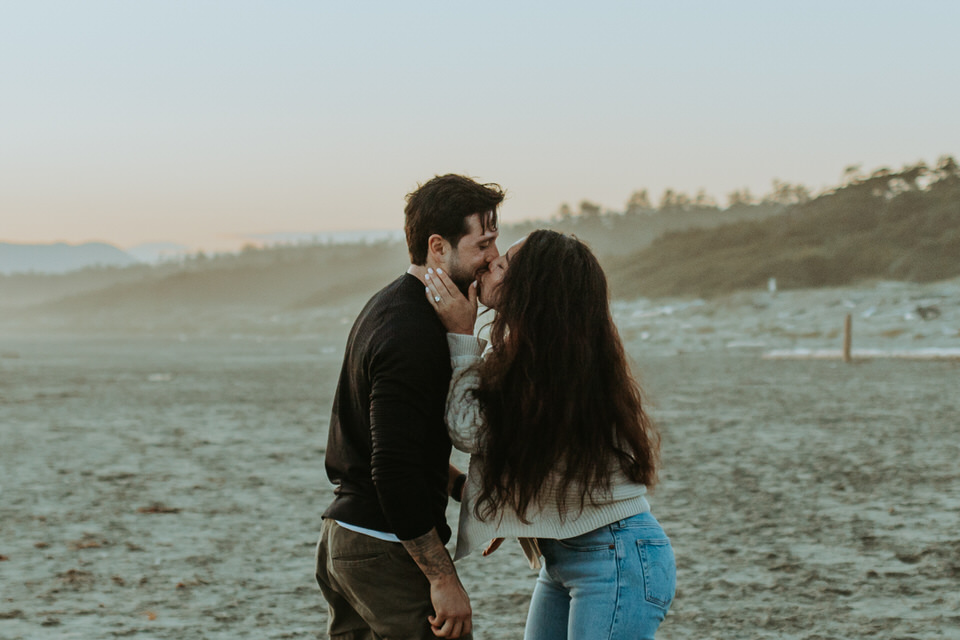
[381,561]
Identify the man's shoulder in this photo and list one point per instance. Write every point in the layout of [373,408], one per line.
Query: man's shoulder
[405,297]
[402,291]
[399,315]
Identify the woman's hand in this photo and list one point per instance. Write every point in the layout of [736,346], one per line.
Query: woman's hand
[457,313]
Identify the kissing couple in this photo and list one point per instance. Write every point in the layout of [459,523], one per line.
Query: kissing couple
[562,452]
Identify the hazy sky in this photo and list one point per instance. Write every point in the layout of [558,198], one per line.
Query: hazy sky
[200,122]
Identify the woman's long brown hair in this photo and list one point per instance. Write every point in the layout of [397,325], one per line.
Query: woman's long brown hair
[556,391]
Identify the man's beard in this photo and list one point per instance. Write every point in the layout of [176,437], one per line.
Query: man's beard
[463,285]
[462,279]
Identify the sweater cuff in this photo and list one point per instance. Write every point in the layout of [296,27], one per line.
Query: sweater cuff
[464,345]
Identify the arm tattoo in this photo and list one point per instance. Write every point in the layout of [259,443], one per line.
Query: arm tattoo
[430,555]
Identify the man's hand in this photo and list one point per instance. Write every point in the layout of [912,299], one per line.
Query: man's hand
[457,313]
[451,606]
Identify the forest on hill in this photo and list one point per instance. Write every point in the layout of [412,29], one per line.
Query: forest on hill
[892,225]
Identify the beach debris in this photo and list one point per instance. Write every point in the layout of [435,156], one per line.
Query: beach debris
[160,377]
[118,580]
[196,582]
[931,312]
[41,545]
[88,541]
[158,507]
[908,558]
[116,474]
[772,286]
[150,615]
[3,557]
[76,577]
[9,615]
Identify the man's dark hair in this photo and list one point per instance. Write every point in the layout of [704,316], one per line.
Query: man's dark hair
[442,205]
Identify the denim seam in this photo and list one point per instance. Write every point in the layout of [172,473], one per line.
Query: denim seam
[616,606]
[588,549]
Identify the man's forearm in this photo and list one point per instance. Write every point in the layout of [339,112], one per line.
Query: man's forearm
[451,605]
[431,556]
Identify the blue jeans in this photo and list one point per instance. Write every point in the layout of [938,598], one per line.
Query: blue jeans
[613,583]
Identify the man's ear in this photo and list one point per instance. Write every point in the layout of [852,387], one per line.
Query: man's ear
[437,247]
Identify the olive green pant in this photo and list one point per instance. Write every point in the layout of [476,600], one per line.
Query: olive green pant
[373,588]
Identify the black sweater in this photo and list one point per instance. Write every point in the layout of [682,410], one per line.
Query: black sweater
[388,450]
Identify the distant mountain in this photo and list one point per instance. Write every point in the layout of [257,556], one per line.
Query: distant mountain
[60,257]
[153,252]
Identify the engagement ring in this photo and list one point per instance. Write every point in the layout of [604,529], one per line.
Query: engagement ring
[436,298]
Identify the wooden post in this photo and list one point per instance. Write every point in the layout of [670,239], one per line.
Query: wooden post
[847,338]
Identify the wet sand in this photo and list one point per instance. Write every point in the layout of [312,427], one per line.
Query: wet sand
[170,486]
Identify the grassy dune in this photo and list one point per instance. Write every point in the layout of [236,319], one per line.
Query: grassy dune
[887,226]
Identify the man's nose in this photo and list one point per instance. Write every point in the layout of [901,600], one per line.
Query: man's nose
[492,253]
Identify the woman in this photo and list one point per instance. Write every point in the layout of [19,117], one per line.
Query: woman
[563,451]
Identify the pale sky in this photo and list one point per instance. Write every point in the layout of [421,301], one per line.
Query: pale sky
[201,122]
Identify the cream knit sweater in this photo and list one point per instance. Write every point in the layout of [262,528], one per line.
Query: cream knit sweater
[624,499]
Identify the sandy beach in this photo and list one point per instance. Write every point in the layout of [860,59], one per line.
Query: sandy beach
[170,484]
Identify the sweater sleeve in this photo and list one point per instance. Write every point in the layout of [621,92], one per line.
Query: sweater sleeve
[463,409]
[407,388]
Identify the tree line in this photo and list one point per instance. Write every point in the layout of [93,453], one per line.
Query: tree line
[781,193]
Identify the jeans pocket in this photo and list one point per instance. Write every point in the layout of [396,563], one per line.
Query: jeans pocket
[659,571]
[357,560]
